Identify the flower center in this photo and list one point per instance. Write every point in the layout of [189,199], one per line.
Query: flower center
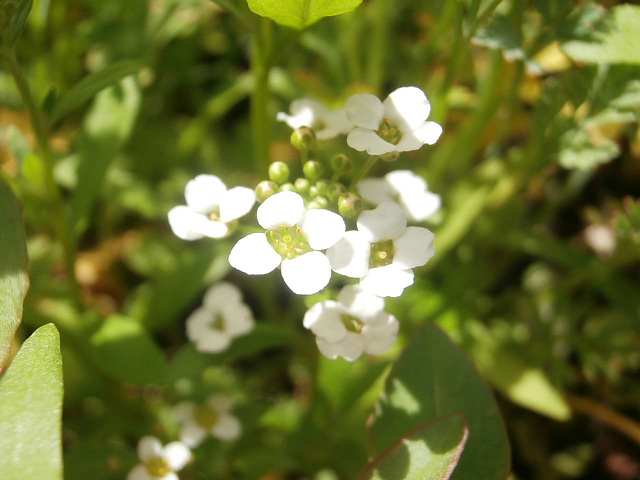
[381,254]
[289,242]
[389,132]
[214,215]
[205,417]
[218,322]
[157,467]
[352,324]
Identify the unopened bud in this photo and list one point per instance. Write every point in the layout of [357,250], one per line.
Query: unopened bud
[318,202]
[287,187]
[279,172]
[341,164]
[335,191]
[350,205]
[303,138]
[312,170]
[390,157]
[302,186]
[265,189]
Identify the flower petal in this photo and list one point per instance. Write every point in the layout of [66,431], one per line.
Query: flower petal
[253,255]
[385,222]
[350,347]
[407,108]
[380,338]
[362,139]
[235,203]
[364,110]
[177,455]
[388,281]
[212,342]
[284,208]
[220,402]
[414,248]
[350,256]
[192,434]
[221,294]
[324,320]
[149,447]
[307,274]
[322,228]
[190,225]
[228,428]
[238,319]
[335,123]
[419,207]
[183,411]
[376,190]
[203,193]
[360,303]
[305,112]
[428,133]
[403,181]
[139,472]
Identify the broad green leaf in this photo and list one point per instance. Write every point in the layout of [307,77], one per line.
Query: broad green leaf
[105,130]
[434,378]
[31,410]
[90,86]
[122,348]
[500,34]
[579,150]
[617,41]
[428,452]
[13,268]
[13,16]
[300,14]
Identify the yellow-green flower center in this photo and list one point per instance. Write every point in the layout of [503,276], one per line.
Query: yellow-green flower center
[381,254]
[218,322]
[389,132]
[352,324]
[289,242]
[206,417]
[157,467]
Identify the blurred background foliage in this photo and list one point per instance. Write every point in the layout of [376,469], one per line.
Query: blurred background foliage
[537,272]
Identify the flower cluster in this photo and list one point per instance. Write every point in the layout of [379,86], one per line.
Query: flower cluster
[158,462]
[211,418]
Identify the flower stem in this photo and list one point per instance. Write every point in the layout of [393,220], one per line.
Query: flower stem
[380,39]
[41,132]
[365,168]
[260,122]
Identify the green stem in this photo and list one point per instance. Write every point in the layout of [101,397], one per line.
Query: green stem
[365,168]
[260,121]
[41,132]
[379,41]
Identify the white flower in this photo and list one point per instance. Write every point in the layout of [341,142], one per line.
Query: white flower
[222,317]
[158,462]
[210,208]
[404,187]
[356,323]
[213,418]
[396,125]
[382,251]
[292,240]
[307,112]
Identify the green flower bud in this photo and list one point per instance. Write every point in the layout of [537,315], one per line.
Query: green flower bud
[390,157]
[287,187]
[302,186]
[265,189]
[312,170]
[318,202]
[303,138]
[350,205]
[341,164]
[322,186]
[335,191]
[279,172]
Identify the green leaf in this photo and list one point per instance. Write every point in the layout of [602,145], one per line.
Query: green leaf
[31,410]
[92,84]
[122,348]
[579,150]
[434,378]
[617,41]
[300,14]
[105,130]
[13,16]
[429,452]
[14,282]
[500,34]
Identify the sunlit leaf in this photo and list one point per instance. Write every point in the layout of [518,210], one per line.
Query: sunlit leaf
[300,14]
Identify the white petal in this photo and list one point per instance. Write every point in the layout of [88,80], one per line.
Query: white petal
[192,434]
[376,190]
[203,193]
[236,203]
[428,133]
[139,472]
[350,347]
[414,248]
[360,303]
[385,222]
[380,338]
[307,274]
[177,455]
[305,112]
[183,411]
[238,319]
[362,139]
[253,255]
[388,281]
[419,207]
[322,228]
[409,142]
[220,294]
[407,107]
[350,256]
[335,123]
[199,322]
[149,447]
[284,208]
[220,402]
[212,341]
[364,110]
[324,320]
[403,181]
[190,225]
[168,476]
[228,428]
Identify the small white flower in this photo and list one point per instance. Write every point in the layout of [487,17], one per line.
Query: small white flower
[292,239]
[356,323]
[222,317]
[213,418]
[406,188]
[382,251]
[158,462]
[396,125]
[210,208]
[307,112]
